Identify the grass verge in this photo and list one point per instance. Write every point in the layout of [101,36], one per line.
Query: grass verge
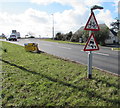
[116,49]
[67,42]
[31,79]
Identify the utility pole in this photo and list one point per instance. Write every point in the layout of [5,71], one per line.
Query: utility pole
[53,25]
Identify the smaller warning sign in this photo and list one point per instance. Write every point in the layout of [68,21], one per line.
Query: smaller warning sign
[92,23]
[91,44]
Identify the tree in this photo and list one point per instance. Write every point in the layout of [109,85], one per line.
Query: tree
[102,35]
[115,25]
[85,35]
[59,36]
[75,38]
[68,36]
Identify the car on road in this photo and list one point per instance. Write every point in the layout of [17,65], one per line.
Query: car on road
[12,38]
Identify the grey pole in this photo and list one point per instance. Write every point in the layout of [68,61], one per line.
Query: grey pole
[90,65]
[53,27]
[90,52]
[90,62]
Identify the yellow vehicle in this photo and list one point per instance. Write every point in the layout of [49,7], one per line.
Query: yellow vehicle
[32,47]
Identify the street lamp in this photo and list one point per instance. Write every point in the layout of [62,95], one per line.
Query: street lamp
[90,52]
[53,26]
[96,7]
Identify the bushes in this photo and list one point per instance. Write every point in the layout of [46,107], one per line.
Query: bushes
[59,36]
[101,35]
[64,37]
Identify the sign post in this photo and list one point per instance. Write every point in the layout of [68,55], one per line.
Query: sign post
[90,64]
[90,61]
[91,44]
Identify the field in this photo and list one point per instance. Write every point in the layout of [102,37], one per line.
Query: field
[40,79]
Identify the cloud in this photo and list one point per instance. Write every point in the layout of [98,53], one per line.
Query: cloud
[105,17]
[31,20]
[116,5]
[119,9]
[40,22]
[42,2]
[46,2]
[14,1]
[37,16]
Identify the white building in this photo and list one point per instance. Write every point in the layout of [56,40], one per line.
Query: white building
[113,38]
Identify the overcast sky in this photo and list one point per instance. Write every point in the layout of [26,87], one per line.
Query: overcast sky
[35,15]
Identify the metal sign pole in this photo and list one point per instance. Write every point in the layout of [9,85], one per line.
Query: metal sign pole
[91,25]
[90,65]
[90,62]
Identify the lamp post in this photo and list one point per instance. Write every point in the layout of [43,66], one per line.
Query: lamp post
[90,52]
[96,7]
[53,25]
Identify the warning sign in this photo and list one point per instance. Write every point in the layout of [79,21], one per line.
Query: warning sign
[92,23]
[91,44]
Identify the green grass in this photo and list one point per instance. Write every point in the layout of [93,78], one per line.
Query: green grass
[2,37]
[60,41]
[116,49]
[31,79]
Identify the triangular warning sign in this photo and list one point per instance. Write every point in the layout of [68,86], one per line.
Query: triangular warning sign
[91,44]
[92,23]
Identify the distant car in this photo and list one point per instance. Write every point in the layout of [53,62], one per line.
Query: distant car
[12,38]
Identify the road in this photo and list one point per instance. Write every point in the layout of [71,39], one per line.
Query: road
[104,59]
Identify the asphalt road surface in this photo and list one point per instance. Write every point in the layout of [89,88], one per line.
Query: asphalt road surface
[104,59]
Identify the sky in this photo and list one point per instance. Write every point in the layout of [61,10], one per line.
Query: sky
[36,16]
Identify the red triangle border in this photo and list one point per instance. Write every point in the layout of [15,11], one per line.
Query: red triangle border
[88,42]
[92,14]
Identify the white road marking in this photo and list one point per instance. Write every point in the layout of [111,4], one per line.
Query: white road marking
[97,53]
[64,47]
[57,46]
[47,44]
[101,54]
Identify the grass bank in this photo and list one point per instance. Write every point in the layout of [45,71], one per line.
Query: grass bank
[68,42]
[116,49]
[31,79]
